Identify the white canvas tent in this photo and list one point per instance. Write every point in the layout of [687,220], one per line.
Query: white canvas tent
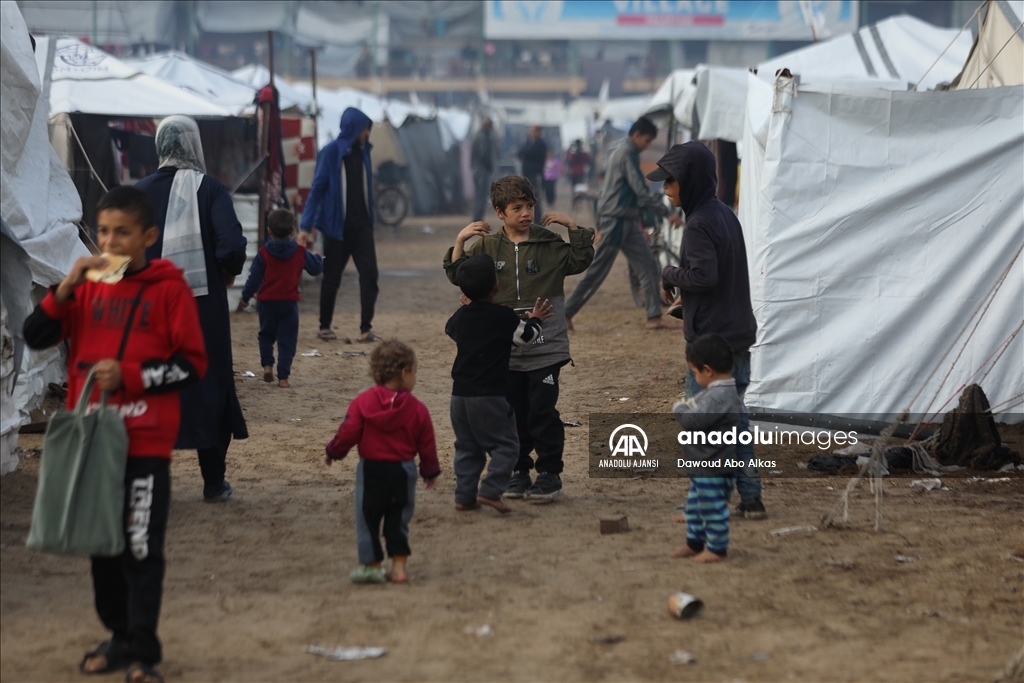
[39,206]
[997,57]
[884,234]
[201,79]
[86,80]
[893,54]
[258,76]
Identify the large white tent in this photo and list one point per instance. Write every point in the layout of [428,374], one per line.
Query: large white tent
[884,233]
[85,80]
[201,79]
[894,54]
[39,207]
[997,57]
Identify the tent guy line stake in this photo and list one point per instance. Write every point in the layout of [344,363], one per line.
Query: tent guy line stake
[950,45]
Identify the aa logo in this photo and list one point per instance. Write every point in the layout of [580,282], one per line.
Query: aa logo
[628,443]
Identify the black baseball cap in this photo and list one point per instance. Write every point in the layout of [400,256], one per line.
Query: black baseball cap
[674,158]
[659,174]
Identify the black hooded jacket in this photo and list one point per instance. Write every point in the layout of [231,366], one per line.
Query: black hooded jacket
[713,260]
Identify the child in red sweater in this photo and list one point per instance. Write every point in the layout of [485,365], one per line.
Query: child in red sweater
[274,279]
[390,426]
[162,352]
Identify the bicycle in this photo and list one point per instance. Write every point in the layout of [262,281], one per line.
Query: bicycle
[665,241]
[391,202]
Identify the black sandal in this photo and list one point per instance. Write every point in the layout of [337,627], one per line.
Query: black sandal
[149,673]
[115,654]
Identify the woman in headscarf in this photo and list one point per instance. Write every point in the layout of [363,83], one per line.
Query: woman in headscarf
[200,232]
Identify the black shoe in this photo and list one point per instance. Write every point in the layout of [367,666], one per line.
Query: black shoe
[519,485]
[219,494]
[752,509]
[547,487]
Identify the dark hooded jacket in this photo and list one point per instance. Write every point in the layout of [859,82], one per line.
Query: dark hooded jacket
[325,206]
[713,261]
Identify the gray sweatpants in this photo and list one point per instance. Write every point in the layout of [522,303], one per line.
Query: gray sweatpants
[483,424]
[616,235]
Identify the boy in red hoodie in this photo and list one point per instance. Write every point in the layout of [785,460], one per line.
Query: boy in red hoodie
[274,279]
[390,427]
[161,353]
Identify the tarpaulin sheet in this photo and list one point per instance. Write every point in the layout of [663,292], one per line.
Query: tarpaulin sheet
[876,225]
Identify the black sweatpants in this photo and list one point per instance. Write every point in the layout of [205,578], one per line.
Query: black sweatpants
[385,492]
[129,587]
[534,396]
[213,460]
[358,244]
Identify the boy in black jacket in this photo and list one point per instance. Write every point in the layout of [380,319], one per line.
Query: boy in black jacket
[482,417]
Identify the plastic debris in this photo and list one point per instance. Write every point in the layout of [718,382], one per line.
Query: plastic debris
[351,354]
[624,399]
[427,230]
[682,657]
[248,374]
[312,354]
[347,654]
[761,656]
[793,530]
[570,423]
[481,632]
[607,640]
[926,484]
[907,558]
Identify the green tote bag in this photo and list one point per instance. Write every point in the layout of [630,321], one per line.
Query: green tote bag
[79,506]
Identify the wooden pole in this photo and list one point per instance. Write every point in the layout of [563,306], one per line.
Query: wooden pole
[270,52]
[261,229]
[316,103]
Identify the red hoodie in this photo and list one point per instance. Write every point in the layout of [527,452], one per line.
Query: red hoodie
[165,349]
[388,425]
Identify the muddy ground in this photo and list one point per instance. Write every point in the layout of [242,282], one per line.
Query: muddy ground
[252,582]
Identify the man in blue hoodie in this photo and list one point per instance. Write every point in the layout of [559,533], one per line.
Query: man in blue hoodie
[340,206]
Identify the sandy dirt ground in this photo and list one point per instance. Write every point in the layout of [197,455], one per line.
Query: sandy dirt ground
[252,582]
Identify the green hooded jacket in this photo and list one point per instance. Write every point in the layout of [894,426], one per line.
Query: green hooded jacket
[534,268]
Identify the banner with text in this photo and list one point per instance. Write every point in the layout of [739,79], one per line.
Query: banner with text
[667,19]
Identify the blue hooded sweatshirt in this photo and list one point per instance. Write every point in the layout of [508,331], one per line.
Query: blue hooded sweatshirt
[325,206]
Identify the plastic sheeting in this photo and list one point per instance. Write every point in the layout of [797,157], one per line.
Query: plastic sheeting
[877,223]
[207,81]
[895,52]
[288,96]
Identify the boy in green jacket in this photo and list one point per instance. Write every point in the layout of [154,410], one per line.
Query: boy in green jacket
[531,263]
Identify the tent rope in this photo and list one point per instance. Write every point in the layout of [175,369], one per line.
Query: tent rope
[84,154]
[1012,36]
[962,29]
[975,317]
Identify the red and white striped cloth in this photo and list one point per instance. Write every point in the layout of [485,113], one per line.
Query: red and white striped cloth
[299,145]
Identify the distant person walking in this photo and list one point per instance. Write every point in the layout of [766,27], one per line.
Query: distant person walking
[211,253]
[623,196]
[483,160]
[577,160]
[533,154]
[340,206]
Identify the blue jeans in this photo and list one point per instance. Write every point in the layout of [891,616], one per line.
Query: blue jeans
[748,481]
[279,321]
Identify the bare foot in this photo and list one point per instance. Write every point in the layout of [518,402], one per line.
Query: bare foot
[466,507]
[142,673]
[708,556]
[283,384]
[496,504]
[568,324]
[268,373]
[679,518]
[660,323]
[685,551]
[397,573]
[94,664]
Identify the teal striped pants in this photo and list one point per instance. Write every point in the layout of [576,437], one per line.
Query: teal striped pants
[707,513]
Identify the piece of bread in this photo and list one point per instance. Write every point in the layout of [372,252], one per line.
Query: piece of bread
[116,267]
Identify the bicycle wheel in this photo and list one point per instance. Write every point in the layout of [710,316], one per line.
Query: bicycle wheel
[391,206]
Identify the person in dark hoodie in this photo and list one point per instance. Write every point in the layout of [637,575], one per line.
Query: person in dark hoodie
[340,206]
[274,278]
[713,281]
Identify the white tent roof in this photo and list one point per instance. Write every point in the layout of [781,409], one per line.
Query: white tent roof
[87,80]
[196,77]
[258,76]
[883,234]
[894,52]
